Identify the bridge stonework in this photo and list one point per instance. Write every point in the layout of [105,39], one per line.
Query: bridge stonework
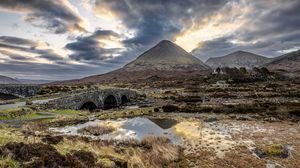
[97,97]
[19,90]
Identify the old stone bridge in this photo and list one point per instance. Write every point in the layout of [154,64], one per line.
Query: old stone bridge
[94,99]
[18,91]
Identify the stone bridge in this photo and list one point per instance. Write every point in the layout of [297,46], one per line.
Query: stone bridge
[18,91]
[94,99]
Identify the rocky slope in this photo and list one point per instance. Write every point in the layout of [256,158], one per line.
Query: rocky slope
[289,62]
[238,59]
[166,56]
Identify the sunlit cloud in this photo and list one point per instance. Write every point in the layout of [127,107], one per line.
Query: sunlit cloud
[226,21]
[58,36]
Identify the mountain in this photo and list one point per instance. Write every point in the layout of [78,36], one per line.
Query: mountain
[289,62]
[166,56]
[8,80]
[30,81]
[165,60]
[238,59]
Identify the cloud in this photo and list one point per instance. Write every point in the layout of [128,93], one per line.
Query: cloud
[24,49]
[102,45]
[35,70]
[270,28]
[154,20]
[58,16]
[208,28]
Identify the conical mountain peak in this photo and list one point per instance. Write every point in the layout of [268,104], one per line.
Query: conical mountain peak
[166,56]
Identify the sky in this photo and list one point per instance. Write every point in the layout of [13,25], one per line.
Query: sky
[69,39]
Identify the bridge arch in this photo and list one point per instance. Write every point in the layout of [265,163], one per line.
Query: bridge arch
[124,100]
[88,105]
[110,101]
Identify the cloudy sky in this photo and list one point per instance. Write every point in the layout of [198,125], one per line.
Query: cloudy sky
[67,39]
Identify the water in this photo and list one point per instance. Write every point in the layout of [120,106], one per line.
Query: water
[135,128]
[9,106]
[23,103]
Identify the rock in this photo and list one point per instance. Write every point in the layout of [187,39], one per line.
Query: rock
[211,119]
[271,119]
[244,118]
[260,153]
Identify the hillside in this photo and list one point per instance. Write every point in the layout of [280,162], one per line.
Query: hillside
[289,62]
[8,80]
[238,59]
[166,56]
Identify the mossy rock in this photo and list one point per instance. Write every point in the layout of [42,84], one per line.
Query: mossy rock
[277,150]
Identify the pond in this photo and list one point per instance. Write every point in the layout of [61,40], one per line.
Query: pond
[133,128]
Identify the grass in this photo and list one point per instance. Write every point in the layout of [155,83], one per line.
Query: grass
[12,113]
[126,113]
[28,116]
[9,134]
[67,112]
[97,130]
[151,152]
[11,110]
[8,162]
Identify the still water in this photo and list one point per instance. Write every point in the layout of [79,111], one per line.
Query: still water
[133,128]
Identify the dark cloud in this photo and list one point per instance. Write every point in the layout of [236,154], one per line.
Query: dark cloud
[155,20]
[17,41]
[30,70]
[270,31]
[271,28]
[88,48]
[27,46]
[55,15]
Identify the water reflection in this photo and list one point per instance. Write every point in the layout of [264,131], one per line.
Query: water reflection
[134,128]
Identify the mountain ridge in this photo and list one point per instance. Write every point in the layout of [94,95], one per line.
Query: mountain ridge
[289,62]
[238,59]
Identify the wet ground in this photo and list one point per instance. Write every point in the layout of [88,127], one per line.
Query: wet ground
[135,128]
[209,141]
[22,103]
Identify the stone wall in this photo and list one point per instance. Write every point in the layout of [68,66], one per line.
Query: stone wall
[19,90]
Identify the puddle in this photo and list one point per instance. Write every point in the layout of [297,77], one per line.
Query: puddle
[194,135]
[134,128]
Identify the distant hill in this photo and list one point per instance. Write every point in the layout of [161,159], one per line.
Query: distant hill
[238,59]
[8,80]
[166,56]
[30,81]
[289,62]
[164,60]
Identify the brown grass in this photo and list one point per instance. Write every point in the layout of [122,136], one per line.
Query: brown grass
[97,130]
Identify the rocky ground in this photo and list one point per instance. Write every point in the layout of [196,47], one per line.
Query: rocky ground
[236,125]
